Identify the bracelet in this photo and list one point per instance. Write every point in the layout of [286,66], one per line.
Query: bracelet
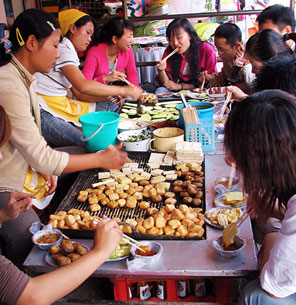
[182,86]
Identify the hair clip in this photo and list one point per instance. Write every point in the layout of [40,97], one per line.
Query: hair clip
[51,25]
[19,37]
[7,45]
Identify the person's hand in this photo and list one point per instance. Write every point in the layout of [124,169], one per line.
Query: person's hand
[204,74]
[16,203]
[51,183]
[133,91]
[107,237]
[240,50]
[170,85]
[161,66]
[113,157]
[237,93]
[114,76]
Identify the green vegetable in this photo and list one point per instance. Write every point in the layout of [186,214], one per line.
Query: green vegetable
[122,249]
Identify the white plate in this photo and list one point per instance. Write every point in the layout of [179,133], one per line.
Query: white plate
[219,202]
[165,94]
[116,259]
[213,210]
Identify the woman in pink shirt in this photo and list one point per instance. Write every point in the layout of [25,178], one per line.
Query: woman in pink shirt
[180,71]
[111,59]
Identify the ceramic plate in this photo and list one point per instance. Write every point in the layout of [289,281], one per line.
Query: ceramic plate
[219,202]
[116,259]
[165,94]
[214,225]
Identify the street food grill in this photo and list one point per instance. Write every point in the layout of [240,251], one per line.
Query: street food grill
[157,212]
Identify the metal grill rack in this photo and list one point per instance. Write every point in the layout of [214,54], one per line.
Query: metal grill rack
[87,178]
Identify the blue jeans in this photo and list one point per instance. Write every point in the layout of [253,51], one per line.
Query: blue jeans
[59,133]
[253,294]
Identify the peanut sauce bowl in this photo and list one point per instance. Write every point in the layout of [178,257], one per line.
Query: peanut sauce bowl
[238,245]
[154,246]
[44,239]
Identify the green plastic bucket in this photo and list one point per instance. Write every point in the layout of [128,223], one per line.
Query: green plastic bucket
[99,129]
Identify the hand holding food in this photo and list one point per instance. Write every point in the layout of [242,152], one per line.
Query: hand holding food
[107,237]
[113,158]
[134,92]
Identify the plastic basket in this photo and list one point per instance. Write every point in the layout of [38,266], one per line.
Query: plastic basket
[203,133]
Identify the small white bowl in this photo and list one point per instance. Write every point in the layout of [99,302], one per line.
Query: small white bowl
[156,247]
[46,246]
[223,181]
[131,125]
[238,241]
[142,145]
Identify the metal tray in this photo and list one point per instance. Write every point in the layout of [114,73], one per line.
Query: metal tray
[84,181]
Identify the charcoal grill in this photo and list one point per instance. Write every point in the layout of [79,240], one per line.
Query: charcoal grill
[86,178]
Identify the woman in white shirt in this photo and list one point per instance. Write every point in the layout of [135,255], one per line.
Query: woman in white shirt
[260,136]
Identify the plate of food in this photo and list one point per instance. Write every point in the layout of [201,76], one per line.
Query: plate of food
[235,199]
[68,252]
[185,92]
[122,251]
[165,94]
[149,98]
[221,217]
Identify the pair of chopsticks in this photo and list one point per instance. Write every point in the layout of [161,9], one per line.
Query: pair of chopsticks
[231,176]
[171,54]
[40,189]
[129,83]
[227,100]
[126,239]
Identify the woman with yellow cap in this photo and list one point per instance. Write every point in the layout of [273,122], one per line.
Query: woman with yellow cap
[60,114]
[33,47]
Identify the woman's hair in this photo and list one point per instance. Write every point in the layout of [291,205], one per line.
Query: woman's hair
[30,22]
[267,44]
[195,44]
[114,27]
[260,135]
[5,127]
[81,22]
[277,73]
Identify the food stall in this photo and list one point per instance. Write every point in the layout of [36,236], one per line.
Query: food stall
[182,259]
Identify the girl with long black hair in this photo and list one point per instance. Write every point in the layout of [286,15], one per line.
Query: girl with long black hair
[180,72]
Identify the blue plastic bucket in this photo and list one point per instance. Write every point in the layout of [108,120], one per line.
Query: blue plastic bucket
[202,113]
[99,129]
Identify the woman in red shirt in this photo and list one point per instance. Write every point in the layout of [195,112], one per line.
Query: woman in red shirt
[180,71]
